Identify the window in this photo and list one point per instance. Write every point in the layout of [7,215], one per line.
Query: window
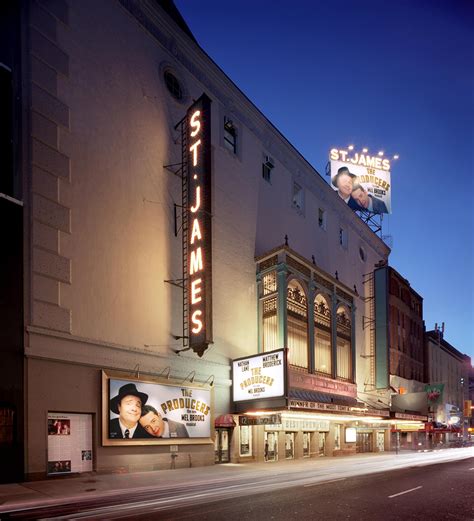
[297,316]
[230,136]
[343,238]
[362,254]
[322,218]
[268,165]
[269,312]
[322,335]
[266,172]
[173,85]
[343,351]
[298,196]
[6,131]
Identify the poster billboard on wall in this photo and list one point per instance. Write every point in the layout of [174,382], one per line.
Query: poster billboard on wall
[146,412]
[361,180]
[259,376]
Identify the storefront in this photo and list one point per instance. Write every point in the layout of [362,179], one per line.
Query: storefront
[408,432]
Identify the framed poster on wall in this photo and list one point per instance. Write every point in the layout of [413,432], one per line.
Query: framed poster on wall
[144,412]
[69,443]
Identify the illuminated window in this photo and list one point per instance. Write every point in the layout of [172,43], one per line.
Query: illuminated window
[173,85]
[298,196]
[322,335]
[269,312]
[344,336]
[322,218]
[297,316]
[269,283]
[230,136]
[270,324]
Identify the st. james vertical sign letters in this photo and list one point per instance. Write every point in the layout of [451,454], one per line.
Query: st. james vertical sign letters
[199,233]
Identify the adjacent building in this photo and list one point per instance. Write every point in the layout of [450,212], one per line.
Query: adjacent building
[448,373]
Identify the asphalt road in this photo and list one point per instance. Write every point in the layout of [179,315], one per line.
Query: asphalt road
[436,492]
[419,486]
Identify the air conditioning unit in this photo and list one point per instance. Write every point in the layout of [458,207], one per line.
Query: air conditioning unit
[269,161]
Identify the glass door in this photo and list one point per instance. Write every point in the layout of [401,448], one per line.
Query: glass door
[289,445]
[222,446]
[271,446]
[322,443]
[306,444]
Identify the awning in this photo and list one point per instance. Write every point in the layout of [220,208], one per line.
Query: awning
[313,396]
[224,420]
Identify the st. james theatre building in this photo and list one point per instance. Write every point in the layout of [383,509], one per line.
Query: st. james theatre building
[180,258]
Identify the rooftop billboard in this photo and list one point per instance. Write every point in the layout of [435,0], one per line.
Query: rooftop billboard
[361,180]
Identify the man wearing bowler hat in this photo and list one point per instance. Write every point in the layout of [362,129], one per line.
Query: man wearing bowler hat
[128,405]
[344,181]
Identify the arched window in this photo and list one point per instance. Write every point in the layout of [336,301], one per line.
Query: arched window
[322,335]
[269,311]
[343,323]
[297,313]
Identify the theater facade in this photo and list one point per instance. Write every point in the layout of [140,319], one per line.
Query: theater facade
[192,291]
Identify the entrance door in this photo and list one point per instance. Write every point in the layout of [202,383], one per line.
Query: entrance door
[271,446]
[306,444]
[322,443]
[380,441]
[289,445]
[222,446]
[364,442]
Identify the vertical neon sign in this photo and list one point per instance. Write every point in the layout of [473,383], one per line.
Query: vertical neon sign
[199,234]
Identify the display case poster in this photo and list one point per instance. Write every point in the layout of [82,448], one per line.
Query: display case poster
[69,443]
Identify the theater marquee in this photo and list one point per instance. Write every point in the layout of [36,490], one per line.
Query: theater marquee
[198,253]
[259,376]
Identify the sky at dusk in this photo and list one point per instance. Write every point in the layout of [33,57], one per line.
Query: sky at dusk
[393,76]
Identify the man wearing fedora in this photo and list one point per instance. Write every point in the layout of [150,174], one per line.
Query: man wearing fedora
[128,405]
[344,181]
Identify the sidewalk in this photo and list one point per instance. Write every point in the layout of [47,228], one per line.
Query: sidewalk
[90,486]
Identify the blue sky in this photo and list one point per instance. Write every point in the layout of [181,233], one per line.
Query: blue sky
[393,76]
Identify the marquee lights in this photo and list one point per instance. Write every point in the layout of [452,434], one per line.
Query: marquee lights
[199,233]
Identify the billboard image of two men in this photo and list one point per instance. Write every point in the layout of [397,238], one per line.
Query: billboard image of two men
[139,410]
[362,188]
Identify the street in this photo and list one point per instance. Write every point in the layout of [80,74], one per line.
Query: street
[410,486]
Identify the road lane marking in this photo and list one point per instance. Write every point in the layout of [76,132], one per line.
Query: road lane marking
[323,482]
[405,491]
